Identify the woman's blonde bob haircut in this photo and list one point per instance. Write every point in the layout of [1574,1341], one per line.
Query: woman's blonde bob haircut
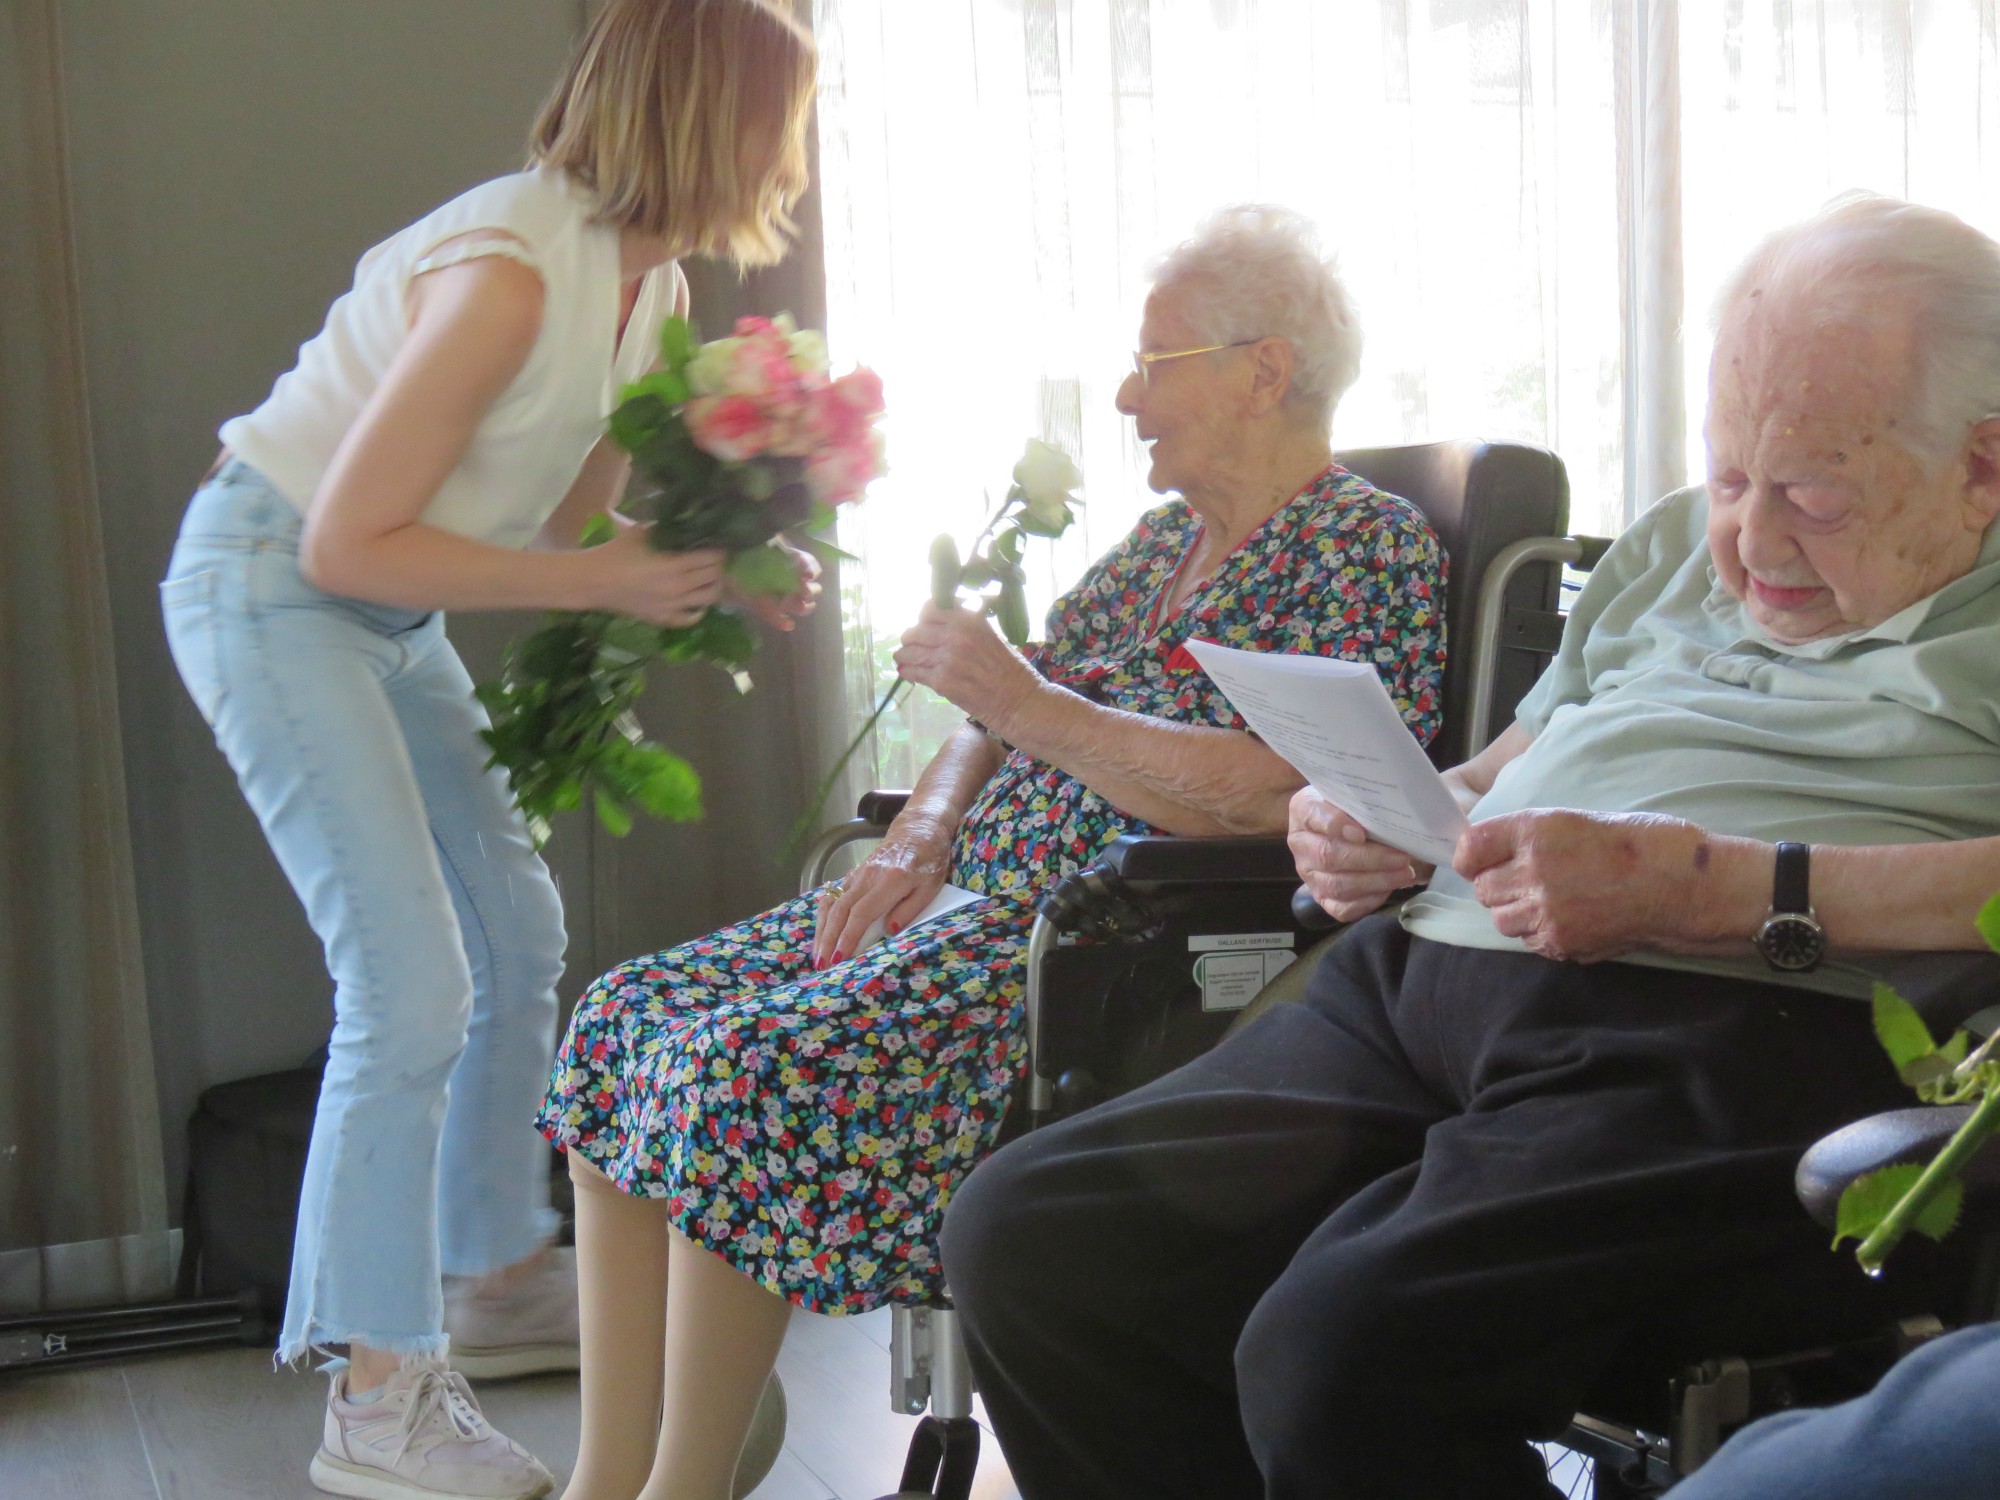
[688,120]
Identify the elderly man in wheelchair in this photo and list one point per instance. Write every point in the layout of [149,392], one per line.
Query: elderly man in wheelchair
[1376,1241]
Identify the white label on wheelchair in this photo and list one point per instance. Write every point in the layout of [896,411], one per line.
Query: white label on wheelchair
[1236,965]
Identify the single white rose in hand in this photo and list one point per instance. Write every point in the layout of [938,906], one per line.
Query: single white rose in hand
[1047,478]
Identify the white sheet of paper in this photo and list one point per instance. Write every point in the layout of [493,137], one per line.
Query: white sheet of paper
[950,899]
[1334,722]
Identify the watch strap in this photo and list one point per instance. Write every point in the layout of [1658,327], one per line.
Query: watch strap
[1791,882]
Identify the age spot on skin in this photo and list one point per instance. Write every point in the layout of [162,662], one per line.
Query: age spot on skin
[1701,856]
[1840,458]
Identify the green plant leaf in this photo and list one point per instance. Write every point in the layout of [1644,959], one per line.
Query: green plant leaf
[678,341]
[612,814]
[768,571]
[670,788]
[1901,1030]
[1870,1198]
[1988,923]
[1034,525]
[1009,543]
[669,387]
[598,530]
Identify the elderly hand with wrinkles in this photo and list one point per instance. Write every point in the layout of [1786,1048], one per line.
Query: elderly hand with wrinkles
[1569,885]
[1588,886]
[962,658]
[898,880]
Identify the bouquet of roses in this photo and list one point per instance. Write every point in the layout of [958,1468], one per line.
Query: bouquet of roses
[745,443]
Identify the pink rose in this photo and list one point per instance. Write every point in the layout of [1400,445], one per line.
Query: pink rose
[839,474]
[861,389]
[733,428]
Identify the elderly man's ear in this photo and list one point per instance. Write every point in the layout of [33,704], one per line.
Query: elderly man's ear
[1271,361]
[1982,474]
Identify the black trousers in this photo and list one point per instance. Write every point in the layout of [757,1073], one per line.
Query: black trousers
[1371,1245]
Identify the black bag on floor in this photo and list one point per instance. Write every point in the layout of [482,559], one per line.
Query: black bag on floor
[246,1158]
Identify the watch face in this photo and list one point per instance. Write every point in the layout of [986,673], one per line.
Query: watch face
[1792,941]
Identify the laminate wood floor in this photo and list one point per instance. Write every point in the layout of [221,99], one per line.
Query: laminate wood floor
[219,1425]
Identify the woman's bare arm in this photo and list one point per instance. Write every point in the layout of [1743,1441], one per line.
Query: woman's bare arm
[472,327]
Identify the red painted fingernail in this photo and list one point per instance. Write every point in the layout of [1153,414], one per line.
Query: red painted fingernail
[893,928]
[838,957]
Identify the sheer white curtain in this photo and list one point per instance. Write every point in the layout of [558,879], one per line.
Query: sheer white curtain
[1531,199]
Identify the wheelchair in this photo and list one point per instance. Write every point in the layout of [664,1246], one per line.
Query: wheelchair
[1150,955]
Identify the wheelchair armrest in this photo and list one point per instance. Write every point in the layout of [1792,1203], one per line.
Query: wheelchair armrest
[882,805]
[1890,1139]
[1160,859]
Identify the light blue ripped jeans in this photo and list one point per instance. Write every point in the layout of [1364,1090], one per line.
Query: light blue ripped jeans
[354,733]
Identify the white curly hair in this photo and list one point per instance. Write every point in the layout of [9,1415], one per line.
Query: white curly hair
[1257,270]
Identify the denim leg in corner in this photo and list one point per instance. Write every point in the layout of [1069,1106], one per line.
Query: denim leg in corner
[493,1193]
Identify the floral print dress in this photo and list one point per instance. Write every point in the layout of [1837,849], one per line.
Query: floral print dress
[809,1126]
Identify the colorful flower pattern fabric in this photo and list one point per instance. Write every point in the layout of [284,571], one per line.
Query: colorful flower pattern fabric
[810,1125]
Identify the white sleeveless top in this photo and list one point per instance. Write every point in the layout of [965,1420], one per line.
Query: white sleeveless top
[527,450]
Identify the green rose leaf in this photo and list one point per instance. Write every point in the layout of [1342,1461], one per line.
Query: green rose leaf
[612,814]
[1052,523]
[669,787]
[678,342]
[767,571]
[1901,1030]
[1988,923]
[598,530]
[1868,1200]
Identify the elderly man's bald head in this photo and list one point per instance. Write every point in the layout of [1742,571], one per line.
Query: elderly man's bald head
[1866,260]
[1854,416]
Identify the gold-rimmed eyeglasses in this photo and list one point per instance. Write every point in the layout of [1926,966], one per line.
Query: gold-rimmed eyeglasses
[1143,360]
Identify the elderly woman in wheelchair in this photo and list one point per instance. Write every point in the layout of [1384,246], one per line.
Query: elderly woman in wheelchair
[777,1114]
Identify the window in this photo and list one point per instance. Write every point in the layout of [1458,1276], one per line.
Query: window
[1532,201]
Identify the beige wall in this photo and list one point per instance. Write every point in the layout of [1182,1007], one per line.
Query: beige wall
[230,160]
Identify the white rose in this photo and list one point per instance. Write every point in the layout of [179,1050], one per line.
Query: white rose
[1047,476]
[709,372]
[808,351]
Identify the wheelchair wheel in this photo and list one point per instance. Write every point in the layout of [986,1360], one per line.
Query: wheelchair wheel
[944,1455]
[1575,1475]
[766,1439]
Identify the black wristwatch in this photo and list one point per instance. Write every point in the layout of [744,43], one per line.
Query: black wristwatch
[1791,939]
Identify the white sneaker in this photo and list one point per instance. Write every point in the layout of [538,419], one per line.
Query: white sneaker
[423,1438]
[524,1325]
